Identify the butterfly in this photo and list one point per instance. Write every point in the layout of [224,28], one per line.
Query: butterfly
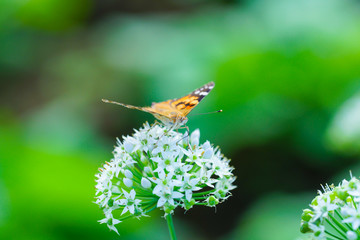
[173,113]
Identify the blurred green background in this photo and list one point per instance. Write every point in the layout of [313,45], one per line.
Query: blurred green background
[287,76]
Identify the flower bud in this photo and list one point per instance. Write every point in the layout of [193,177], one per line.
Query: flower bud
[128,174]
[128,182]
[345,212]
[206,145]
[147,170]
[145,183]
[128,146]
[351,235]
[195,137]
[168,208]
[189,204]
[222,193]
[208,153]
[111,202]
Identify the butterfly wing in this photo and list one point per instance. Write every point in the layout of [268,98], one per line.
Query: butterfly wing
[173,110]
[184,105]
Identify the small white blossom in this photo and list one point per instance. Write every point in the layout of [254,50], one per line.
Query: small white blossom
[323,207]
[189,185]
[169,195]
[353,217]
[110,221]
[319,231]
[156,168]
[129,202]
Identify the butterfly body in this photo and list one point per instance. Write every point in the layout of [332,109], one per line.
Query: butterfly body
[173,113]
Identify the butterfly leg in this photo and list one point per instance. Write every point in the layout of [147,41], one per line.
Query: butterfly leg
[165,131]
[188,135]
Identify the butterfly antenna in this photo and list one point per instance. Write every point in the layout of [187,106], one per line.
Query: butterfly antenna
[218,111]
[113,102]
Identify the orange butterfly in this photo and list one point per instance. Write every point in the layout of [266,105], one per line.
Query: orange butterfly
[172,113]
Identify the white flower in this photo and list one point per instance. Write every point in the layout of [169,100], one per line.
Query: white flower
[167,144]
[189,185]
[353,217]
[168,195]
[220,167]
[323,207]
[110,221]
[129,202]
[205,177]
[164,182]
[319,231]
[195,156]
[166,161]
[157,168]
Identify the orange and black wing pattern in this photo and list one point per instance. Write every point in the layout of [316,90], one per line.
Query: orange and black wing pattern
[184,105]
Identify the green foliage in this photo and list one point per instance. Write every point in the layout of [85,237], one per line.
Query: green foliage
[284,73]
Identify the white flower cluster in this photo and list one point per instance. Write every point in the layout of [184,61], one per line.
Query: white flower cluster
[334,213]
[161,168]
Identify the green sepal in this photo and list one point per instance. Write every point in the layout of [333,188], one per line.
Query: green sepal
[212,201]
[341,193]
[304,227]
[307,215]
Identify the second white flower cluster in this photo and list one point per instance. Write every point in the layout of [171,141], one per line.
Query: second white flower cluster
[334,213]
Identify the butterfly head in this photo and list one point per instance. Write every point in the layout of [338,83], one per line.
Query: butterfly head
[180,121]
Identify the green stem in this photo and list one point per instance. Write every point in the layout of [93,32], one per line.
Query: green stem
[352,198]
[335,228]
[203,193]
[341,217]
[339,224]
[334,236]
[200,198]
[171,227]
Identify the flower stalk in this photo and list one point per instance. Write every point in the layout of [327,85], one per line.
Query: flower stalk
[171,227]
